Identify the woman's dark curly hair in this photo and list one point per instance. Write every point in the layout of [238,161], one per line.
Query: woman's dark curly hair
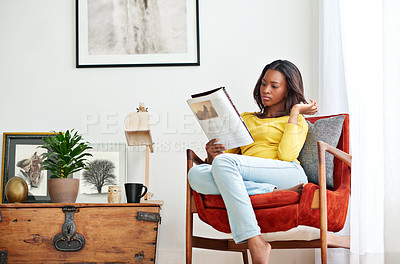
[294,85]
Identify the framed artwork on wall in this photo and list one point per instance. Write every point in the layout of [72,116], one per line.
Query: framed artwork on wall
[107,167]
[22,158]
[129,33]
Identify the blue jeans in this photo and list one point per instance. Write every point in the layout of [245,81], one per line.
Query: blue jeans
[235,177]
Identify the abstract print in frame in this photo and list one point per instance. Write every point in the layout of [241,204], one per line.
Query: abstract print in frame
[128,33]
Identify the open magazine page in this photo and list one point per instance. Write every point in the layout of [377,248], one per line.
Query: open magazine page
[219,119]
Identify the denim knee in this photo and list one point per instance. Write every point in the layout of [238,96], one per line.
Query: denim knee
[224,165]
[201,180]
[224,160]
[194,175]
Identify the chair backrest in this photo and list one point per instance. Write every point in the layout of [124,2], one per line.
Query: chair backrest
[341,173]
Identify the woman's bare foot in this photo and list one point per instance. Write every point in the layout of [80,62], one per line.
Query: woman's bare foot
[259,250]
[298,188]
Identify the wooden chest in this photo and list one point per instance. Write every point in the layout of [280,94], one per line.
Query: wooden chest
[78,233]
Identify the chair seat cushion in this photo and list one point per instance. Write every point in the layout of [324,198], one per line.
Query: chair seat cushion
[266,200]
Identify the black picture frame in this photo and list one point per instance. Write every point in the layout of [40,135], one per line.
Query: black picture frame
[96,50]
[21,143]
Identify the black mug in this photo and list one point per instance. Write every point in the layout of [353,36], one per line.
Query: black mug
[134,191]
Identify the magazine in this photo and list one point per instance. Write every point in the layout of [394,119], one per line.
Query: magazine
[219,118]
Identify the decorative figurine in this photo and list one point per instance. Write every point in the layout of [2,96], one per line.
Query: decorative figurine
[114,194]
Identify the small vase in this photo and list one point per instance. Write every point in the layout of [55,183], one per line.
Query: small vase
[63,190]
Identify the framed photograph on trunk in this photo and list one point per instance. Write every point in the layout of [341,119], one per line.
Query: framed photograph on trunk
[106,167]
[128,33]
[22,158]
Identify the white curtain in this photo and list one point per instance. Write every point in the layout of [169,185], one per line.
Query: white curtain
[332,96]
[362,31]
[361,39]
[391,97]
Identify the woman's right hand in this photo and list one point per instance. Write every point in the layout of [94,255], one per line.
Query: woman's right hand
[306,109]
[213,150]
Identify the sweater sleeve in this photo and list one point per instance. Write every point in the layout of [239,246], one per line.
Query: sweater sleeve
[293,139]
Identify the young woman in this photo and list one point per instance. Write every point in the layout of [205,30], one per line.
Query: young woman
[268,164]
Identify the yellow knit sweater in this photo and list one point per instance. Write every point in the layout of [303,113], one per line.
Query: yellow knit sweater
[274,138]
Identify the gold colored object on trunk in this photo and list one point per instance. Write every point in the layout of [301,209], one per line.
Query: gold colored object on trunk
[16,190]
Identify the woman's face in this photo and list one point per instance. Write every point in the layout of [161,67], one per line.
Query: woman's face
[273,91]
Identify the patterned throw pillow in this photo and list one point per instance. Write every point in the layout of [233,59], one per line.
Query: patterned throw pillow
[327,130]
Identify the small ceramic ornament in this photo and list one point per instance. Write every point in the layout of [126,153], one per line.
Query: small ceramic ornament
[16,190]
[114,194]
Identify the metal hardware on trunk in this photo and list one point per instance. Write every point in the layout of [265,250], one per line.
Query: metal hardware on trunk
[0,216]
[150,217]
[139,255]
[69,240]
[3,257]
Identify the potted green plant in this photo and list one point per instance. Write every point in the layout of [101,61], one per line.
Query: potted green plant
[66,154]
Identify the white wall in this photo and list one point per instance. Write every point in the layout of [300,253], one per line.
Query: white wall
[41,90]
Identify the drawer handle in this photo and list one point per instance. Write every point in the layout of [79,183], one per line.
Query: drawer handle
[69,240]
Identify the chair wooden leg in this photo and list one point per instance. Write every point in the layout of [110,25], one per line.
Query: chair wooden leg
[245,257]
[189,227]
[323,208]
[188,252]
[324,245]
[189,240]
[189,237]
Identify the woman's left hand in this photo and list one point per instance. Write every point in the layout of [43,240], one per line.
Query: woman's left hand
[306,109]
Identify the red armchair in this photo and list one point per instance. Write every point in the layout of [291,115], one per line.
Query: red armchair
[317,207]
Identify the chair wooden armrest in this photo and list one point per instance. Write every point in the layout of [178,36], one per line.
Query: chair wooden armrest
[346,158]
[191,155]
[193,158]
